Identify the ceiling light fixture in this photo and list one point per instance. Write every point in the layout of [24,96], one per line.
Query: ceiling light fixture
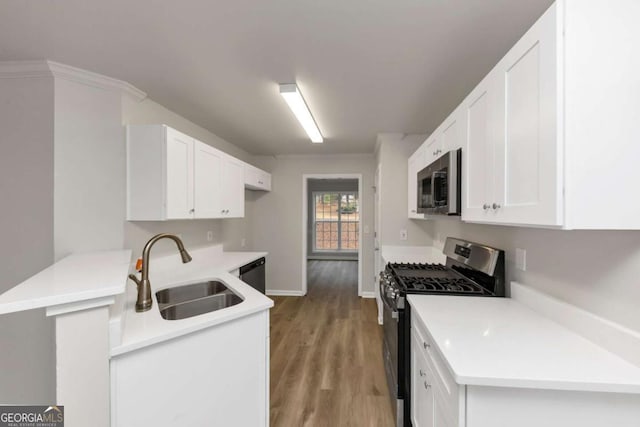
[292,95]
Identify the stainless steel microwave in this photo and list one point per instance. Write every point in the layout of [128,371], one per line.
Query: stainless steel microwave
[439,185]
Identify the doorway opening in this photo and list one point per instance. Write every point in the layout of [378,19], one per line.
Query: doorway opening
[331,232]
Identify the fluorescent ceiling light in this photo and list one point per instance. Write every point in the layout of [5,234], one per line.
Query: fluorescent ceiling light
[292,95]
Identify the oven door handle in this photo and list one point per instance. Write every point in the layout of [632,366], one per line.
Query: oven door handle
[394,313]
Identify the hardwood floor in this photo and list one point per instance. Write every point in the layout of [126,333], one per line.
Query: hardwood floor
[326,361]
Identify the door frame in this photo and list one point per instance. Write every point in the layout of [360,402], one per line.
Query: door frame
[305,221]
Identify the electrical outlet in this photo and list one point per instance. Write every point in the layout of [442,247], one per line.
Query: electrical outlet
[403,234]
[243,242]
[209,236]
[521,259]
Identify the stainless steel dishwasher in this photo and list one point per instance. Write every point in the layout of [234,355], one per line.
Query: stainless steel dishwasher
[253,274]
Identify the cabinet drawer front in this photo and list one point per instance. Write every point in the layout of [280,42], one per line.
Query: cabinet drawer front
[443,379]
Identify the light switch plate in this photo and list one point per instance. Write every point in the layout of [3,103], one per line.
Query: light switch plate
[403,234]
[521,259]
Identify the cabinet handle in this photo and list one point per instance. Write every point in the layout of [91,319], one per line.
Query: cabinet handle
[427,385]
[421,373]
[425,345]
[496,206]
[413,210]
[260,182]
[486,206]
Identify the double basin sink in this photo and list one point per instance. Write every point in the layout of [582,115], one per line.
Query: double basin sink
[186,301]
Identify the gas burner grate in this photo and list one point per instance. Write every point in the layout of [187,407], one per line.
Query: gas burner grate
[440,285]
[422,267]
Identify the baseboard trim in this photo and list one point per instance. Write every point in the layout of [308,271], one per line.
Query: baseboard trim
[368,295]
[611,336]
[281,293]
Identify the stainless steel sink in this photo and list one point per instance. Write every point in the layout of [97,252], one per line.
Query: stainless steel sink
[187,301]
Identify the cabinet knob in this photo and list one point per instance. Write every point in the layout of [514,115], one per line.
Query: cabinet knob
[192,210]
[486,206]
[427,385]
[260,182]
[496,206]
[421,373]
[222,211]
[425,345]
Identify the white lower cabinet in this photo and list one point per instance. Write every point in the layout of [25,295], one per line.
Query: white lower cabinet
[217,376]
[436,400]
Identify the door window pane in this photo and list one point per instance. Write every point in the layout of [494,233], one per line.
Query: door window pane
[336,217]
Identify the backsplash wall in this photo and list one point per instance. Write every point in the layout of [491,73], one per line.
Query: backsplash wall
[598,271]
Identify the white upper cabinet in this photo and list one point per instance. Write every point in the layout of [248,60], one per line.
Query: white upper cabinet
[208,189]
[179,175]
[536,127]
[512,161]
[233,188]
[173,176]
[256,179]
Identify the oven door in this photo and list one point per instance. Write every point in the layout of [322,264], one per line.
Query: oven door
[391,354]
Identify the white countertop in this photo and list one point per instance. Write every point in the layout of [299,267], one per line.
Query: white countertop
[78,277]
[143,329]
[501,342]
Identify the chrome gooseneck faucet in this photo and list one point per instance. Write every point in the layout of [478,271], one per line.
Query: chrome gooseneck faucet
[144,301]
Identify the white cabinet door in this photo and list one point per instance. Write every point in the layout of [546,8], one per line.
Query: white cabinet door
[256,179]
[179,175]
[232,188]
[422,399]
[434,147]
[453,131]
[527,155]
[416,163]
[207,182]
[479,110]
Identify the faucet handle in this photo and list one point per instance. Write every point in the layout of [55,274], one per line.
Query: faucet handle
[135,279]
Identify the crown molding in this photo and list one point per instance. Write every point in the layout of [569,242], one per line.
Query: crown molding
[44,68]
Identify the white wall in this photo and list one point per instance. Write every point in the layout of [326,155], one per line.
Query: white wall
[228,232]
[89,160]
[277,220]
[598,271]
[26,191]
[392,153]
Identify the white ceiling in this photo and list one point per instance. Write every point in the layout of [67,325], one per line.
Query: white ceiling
[364,66]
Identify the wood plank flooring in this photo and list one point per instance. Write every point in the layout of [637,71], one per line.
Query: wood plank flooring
[326,361]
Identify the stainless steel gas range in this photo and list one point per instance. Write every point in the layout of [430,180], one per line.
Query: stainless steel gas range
[471,269]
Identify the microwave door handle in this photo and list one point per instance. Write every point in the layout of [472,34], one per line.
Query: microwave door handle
[433,188]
